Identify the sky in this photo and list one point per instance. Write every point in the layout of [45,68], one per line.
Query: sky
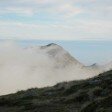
[56,19]
[87,52]
[82,27]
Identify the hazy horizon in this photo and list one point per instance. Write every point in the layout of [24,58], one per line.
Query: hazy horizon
[87,52]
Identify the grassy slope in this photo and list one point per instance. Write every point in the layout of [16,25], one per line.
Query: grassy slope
[91,95]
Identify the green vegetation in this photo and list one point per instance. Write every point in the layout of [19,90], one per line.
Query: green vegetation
[91,95]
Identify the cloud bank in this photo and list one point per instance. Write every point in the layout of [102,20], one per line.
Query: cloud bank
[23,68]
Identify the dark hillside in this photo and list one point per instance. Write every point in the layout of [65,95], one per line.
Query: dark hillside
[91,95]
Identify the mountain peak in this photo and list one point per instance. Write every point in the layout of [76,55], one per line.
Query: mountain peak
[51,44]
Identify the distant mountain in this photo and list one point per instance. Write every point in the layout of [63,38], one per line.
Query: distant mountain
[55,52]
[90,95]
[40,66]
[61,56]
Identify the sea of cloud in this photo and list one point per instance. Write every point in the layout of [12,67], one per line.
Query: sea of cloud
[22,68]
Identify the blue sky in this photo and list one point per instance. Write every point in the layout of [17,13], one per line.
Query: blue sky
[83,27]
[56,19]
[87,52]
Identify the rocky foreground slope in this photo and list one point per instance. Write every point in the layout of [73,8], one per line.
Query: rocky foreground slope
[91,95]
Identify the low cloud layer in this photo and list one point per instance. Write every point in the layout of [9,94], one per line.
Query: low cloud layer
[23,68]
